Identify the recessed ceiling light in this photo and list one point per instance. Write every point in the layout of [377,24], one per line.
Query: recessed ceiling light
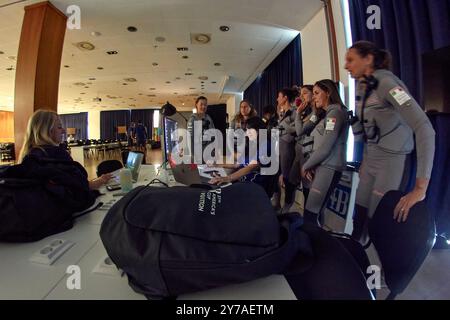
[10,68]
[85,46]
[86,87]
[224,28]
[167,82]
[213,81]
[81,84]
[182,49]
[188,74]
[202,81]
[177,78]
[217,64]
[92,79]
[132,29]
[152,89]
[130,80]
[192,88]
[200,38]
[160,39]
[83,93]
[95,34]
[124,84]
[251,49]
[185,57]
[112,52]
[154,64]
[66,66]
[99,68]
[203,78]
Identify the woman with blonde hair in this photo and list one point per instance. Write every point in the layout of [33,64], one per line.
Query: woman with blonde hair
[42,140]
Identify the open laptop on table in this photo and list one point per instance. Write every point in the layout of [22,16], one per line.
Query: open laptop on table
[191,174]
[134,162]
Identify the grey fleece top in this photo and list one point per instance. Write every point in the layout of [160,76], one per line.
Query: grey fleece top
[330,140]
[391,119]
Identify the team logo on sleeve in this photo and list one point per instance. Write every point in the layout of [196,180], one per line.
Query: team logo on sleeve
[331,123]
[399,95]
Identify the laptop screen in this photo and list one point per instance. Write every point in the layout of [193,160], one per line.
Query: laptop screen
[134,162]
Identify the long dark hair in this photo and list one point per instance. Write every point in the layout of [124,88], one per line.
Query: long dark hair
[382,59]
[290,93]
[330,87]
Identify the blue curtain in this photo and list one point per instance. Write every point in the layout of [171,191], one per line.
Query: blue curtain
[144,115]
[439,189]
[284,71]
[110,120]
[78,121]
[409,28]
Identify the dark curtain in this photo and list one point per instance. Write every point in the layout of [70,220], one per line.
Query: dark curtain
[284,71]
[409,28]
[78,121]
[144,115]
[110,120]
[438,194]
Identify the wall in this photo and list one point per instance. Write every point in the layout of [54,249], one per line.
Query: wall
[6,126]
[94,124]
[233,105]
[316,49]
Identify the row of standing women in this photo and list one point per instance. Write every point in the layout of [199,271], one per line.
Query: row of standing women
[313,139]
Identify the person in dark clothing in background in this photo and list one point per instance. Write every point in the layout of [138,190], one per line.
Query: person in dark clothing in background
[141,136]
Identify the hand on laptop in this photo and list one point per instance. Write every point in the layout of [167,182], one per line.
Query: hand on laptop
[100,181]
[220,180]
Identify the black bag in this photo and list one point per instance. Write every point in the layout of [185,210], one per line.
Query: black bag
[172,241]
[39,197]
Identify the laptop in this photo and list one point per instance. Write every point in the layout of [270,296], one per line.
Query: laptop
[134,162]
[191,174]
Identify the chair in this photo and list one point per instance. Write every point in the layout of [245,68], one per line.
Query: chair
[401,247]
[108,166]
[334,274]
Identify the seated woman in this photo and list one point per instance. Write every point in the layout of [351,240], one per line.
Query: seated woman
[248,166]
[43,138]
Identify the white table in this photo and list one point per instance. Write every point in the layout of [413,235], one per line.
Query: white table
[22,279]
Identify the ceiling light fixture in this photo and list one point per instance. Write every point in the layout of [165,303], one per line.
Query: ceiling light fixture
[203,78]
[200,38]
[185,57]
[154,64]
[85,46]
[132,29]
[224,28]
[188,74]
[217,64]
[99,68]
[160,39]
[112,52]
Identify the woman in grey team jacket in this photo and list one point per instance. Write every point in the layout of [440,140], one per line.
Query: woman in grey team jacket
[324,165]
[387,118]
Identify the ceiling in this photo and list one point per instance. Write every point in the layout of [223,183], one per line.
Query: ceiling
[258,31]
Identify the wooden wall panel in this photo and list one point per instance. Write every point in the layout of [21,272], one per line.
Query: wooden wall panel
[6,126]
